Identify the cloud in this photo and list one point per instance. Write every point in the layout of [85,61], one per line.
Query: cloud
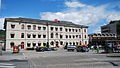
[74,4]
[84,14]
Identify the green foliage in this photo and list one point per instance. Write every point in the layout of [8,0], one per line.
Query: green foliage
[2,33]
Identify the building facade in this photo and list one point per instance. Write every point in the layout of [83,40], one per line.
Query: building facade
[112,27]
[34,32]
[100,38]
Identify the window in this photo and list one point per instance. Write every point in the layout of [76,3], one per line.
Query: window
[79,36]
[52,35]
[85,30]
[22,35]
[66,36]
[85,36]
[52,43]
[69,30]
[29,27]
[70,43]
[22,26]
[56,35]
[60,28]
[12,44]
[73,30]
[76,30]
[56,28]
[51,28]
[39,36]
[69,36]
[28,35]
[28,44]
[76,36]
[34,44]
[61,42]
[44,44]
[44,36]
[39,44]
[73,36]
[12,26]
[79,30]
[39,28]
[76,43]
[34,36]
[66,43]
[73,43]
[44,28]
[66,29]
[34,27]
[12,35]
[85,42]
[80,42]
[61,36]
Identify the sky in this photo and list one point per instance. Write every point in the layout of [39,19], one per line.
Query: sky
[92,13]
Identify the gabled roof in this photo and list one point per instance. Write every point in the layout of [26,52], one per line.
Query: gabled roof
[44,22]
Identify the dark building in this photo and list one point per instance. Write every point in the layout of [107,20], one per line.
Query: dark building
[112,27]
[100,38]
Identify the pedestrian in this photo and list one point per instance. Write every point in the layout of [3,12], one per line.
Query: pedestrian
[92,47]
[97,49]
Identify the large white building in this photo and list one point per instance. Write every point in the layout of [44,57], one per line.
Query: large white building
[34,32]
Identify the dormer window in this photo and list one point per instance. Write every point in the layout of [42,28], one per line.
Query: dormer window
[34,27]
[39,28]
[12,26]
[22,26]
[29,27]
[44,28]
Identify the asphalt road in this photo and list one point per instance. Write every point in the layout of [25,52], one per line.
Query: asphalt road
[64,59]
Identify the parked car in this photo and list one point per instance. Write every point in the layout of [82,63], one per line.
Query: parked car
[53,48]
[47,49]
[82,48]
[71,48]
[39,49]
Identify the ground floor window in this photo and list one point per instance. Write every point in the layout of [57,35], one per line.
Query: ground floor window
[39,44]
[34,44]
[12,44]
[28,44]
[44,44]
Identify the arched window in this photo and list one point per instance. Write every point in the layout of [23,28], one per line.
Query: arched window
[61,42]
[28,44]
[34,44]
[52,43]
[52,35]
[12,44]
[22,35]
[56,35]
[39,44]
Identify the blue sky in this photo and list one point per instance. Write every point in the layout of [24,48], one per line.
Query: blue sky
[93,13]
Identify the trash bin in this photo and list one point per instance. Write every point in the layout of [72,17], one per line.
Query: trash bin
[15,49]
